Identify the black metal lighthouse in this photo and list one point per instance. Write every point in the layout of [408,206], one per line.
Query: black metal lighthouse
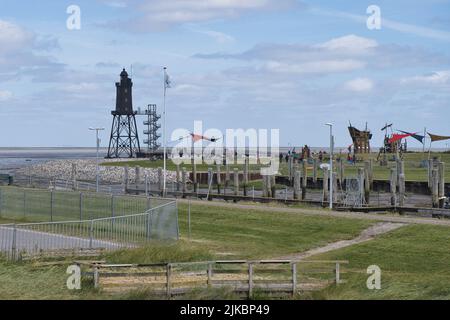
[124,141]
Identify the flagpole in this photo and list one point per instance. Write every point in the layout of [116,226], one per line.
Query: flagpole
[164,134]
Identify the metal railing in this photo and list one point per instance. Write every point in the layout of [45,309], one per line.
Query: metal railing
[71,221]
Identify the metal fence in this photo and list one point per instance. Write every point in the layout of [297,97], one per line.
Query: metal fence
[75,220]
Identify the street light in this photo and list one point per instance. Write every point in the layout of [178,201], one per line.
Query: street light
[331,163]
[98,146]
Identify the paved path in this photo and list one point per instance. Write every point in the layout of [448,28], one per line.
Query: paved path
[327,213]
[32,241]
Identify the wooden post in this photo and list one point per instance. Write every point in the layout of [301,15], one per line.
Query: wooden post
[236,181]
[315,170]
[367,182]
[273,189]
[401,190]
[210,182]
[178,177]
[441,192]
[341,173]
[435,188]
[218,178]
[168,276]
[400,170]
[227,177]
[430,173]
[194,175]
[246,175]
[250,280]
[337,271]
[304,178]
[294,279]
[290,173]
[371,174]
[183,181]
[125,178]
[393,184]
[209,274]
[297,185]
[325,185]
[264,187]
[335,187]
[361,178]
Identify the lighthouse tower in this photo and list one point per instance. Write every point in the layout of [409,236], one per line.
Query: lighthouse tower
[124,140]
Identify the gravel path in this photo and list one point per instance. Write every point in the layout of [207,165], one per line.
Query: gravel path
[367,235]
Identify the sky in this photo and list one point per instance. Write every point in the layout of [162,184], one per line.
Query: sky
[264,64]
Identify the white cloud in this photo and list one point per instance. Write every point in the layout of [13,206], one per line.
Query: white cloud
[13,37]
[320,66]
[435,78]
[351,44]
[359,85]
[5,95]
[161,14]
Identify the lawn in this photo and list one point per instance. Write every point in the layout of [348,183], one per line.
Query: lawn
[217,233]
[414,263]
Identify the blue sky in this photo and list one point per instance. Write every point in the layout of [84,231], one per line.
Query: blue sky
[285,64]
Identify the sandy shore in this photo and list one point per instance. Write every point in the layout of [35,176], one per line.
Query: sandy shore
[86,171]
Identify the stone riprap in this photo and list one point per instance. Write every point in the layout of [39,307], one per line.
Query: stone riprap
[86,171]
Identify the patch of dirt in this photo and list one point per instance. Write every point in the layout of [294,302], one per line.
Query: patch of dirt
[367,235]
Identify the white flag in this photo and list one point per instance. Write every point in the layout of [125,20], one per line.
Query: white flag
[167,81]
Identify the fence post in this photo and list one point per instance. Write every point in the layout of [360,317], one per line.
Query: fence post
[91,232]
[338,273]
[294,278]
[393,187]
[189,219]
[441,192]
[96,277]
[401,190]
[218,178]
[236,181]
[13,245]
[24,203]
[168,284]
[435,188]
[178,177]
[183,181]
[81,206]
[250,280]
[209,274]
[304,178]
[51,205]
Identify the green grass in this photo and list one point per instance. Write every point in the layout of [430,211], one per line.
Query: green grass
[414,262]
[238,233]
[413,169]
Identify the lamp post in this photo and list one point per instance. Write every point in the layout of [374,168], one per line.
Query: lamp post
[331,163]
[98,146]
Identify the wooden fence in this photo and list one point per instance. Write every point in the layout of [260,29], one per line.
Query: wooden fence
[243,277]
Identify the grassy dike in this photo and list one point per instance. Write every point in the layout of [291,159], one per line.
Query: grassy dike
[413,259]
[414,263]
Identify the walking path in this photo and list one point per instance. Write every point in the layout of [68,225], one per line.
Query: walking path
[367,235]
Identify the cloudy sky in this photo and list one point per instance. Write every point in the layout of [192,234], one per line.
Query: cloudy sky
[286,64]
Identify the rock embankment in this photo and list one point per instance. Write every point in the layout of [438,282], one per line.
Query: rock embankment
[86,171]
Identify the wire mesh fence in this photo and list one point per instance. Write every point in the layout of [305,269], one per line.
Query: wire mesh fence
[76,220]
